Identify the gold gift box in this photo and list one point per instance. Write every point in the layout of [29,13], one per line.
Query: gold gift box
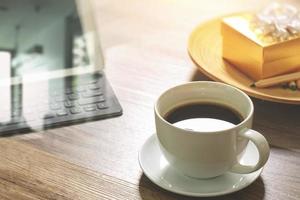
[254,56]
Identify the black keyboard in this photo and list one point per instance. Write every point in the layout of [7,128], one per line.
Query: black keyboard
[58,102]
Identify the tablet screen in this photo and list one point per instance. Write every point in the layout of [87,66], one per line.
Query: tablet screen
[39,36]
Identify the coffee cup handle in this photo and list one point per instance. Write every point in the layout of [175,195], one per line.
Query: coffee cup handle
[263,150]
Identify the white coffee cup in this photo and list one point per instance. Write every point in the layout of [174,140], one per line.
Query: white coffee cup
[207,154]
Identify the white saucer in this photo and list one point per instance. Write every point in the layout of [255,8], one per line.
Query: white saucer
[157,169]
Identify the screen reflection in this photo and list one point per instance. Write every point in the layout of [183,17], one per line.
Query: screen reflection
[38,37]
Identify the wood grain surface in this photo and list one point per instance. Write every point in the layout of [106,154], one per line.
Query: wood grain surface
[145,45]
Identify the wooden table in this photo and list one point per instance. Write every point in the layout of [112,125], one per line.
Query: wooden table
[145,49]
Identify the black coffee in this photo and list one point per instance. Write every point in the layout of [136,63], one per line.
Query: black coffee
[203,110]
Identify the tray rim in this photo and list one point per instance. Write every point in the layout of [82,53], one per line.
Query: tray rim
[257,94]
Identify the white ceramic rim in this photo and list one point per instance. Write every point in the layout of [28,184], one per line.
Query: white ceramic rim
[250,114]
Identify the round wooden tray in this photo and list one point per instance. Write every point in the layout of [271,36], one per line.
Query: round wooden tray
[205,49]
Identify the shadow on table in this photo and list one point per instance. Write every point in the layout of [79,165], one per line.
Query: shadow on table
[149,190]
[278,122]
[197,76]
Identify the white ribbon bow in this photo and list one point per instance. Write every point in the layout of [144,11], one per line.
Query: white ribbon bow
[277,21]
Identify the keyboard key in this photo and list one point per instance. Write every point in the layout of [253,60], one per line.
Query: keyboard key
[73,96]
[75,110]
[90,108]
[86,101]
[92,93]
[48,116]
[102,106]
[69,104]
[93,81]
[62,113]
[94,87]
